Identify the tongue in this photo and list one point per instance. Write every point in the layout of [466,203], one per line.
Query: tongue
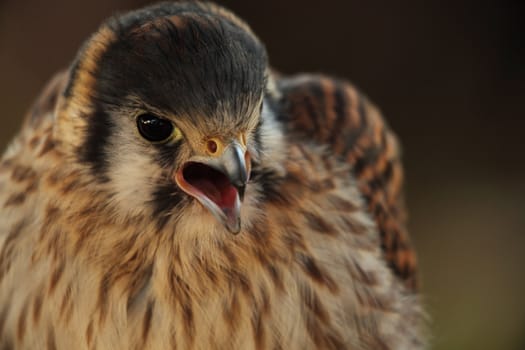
[223,194]
[208,188]
[229,194]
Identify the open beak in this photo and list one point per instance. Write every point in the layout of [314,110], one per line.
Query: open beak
[218,182]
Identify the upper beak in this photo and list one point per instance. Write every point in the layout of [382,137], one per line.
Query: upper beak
[233,164]
[218,182]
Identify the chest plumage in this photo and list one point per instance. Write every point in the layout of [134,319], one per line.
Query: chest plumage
[190,198]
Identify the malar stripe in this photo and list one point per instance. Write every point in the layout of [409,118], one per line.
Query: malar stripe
[94,149]
[165,199]
[80,93]
[167,153]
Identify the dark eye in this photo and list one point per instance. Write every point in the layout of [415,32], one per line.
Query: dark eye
[153,128]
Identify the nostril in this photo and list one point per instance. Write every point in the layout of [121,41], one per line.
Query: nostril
[211,145]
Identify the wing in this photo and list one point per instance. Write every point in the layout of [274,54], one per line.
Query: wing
[46,101]
[16,164]
[334,113]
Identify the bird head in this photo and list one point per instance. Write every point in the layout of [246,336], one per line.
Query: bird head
[163,109]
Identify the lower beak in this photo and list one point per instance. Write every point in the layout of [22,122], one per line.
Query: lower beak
[218,183]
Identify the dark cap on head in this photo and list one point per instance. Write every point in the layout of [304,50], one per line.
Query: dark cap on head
[185,58]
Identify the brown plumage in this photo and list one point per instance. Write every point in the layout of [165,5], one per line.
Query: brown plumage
[170,191]
[333,112]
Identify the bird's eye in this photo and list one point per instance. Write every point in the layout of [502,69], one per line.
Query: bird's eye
[153,128]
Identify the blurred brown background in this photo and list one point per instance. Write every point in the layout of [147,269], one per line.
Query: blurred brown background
[450,77]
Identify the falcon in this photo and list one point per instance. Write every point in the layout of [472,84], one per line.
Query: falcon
[171,191]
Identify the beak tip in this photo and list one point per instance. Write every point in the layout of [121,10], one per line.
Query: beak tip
[234,227]
[232,217]
[241,190]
